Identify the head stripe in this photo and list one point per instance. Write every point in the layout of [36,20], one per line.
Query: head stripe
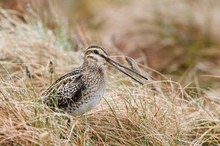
[94,46]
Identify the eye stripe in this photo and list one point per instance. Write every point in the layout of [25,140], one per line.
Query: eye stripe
[93,46]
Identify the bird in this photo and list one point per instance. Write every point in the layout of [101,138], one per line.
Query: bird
[80,90]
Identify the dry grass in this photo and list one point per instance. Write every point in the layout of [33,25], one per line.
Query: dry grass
[161,112]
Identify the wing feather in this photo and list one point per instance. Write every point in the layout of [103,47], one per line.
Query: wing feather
[65,90]
[62,81]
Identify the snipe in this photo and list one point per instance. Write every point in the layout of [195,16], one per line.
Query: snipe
[81,89]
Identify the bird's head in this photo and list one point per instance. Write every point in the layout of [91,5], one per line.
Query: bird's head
[97,55]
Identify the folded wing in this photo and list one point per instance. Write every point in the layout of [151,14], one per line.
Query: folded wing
[65,91]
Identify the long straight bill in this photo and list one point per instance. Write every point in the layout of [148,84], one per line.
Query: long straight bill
[119,67]
[125,67]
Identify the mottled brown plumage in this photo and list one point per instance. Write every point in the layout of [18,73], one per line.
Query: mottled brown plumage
[81,89]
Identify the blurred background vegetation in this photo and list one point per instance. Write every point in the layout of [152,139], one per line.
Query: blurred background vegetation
[178,38]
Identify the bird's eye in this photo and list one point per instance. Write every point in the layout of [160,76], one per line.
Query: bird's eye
[96,52]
